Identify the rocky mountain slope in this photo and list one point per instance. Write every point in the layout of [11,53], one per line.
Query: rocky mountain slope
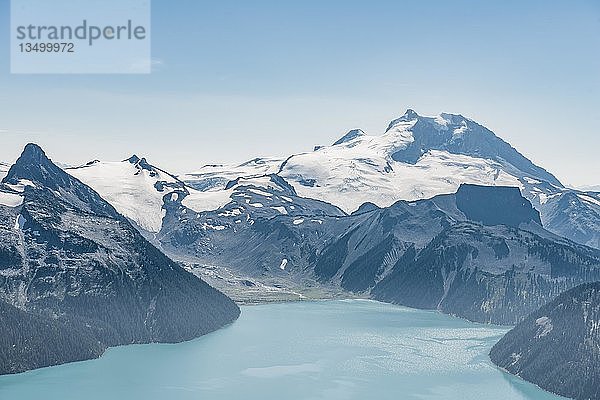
[71,266]
[574,215]
[480,253]
[3,170]
[558,346]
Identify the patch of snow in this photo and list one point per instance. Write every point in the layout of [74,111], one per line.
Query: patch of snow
[21,185]
[283,263]
[589,199]
[19,222]
[257,205]
[442,121]
[260,192]
[231,213]
[208,200]
[532,181]
[10,199]
[544,197]
[282,210]
[460,130]
[298,221]
[544,326]
[206,226]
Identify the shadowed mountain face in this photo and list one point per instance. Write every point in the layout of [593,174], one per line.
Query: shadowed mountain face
[495,206]
[491,274]
[574,215]
[70,264]
[558,346]
[459,135]
[480,253]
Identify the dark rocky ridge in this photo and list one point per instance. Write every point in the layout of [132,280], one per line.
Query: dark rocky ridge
[495,205]
[494,274]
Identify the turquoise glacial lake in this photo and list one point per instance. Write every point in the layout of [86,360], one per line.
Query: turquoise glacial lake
[306,350]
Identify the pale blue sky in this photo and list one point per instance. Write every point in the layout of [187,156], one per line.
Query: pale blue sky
[239,79]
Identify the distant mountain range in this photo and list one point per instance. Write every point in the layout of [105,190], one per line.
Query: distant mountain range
[589,188]
[327,218]
[416,158]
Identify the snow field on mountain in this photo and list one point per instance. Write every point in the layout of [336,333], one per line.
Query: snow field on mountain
[129,189]
[348,180]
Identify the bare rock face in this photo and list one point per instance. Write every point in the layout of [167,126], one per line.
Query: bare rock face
[495,205]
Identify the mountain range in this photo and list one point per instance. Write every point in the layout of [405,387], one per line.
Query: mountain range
[435,213]
[467,253]
[361,214]
[416,158]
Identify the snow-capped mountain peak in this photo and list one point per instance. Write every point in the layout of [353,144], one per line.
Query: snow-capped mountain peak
[416,157]
[33,170]
[142,164]
[351,135]
[409,116]
[143,192]
[133,159]
[457,134]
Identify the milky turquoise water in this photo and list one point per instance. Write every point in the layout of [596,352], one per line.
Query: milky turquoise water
[311,350]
